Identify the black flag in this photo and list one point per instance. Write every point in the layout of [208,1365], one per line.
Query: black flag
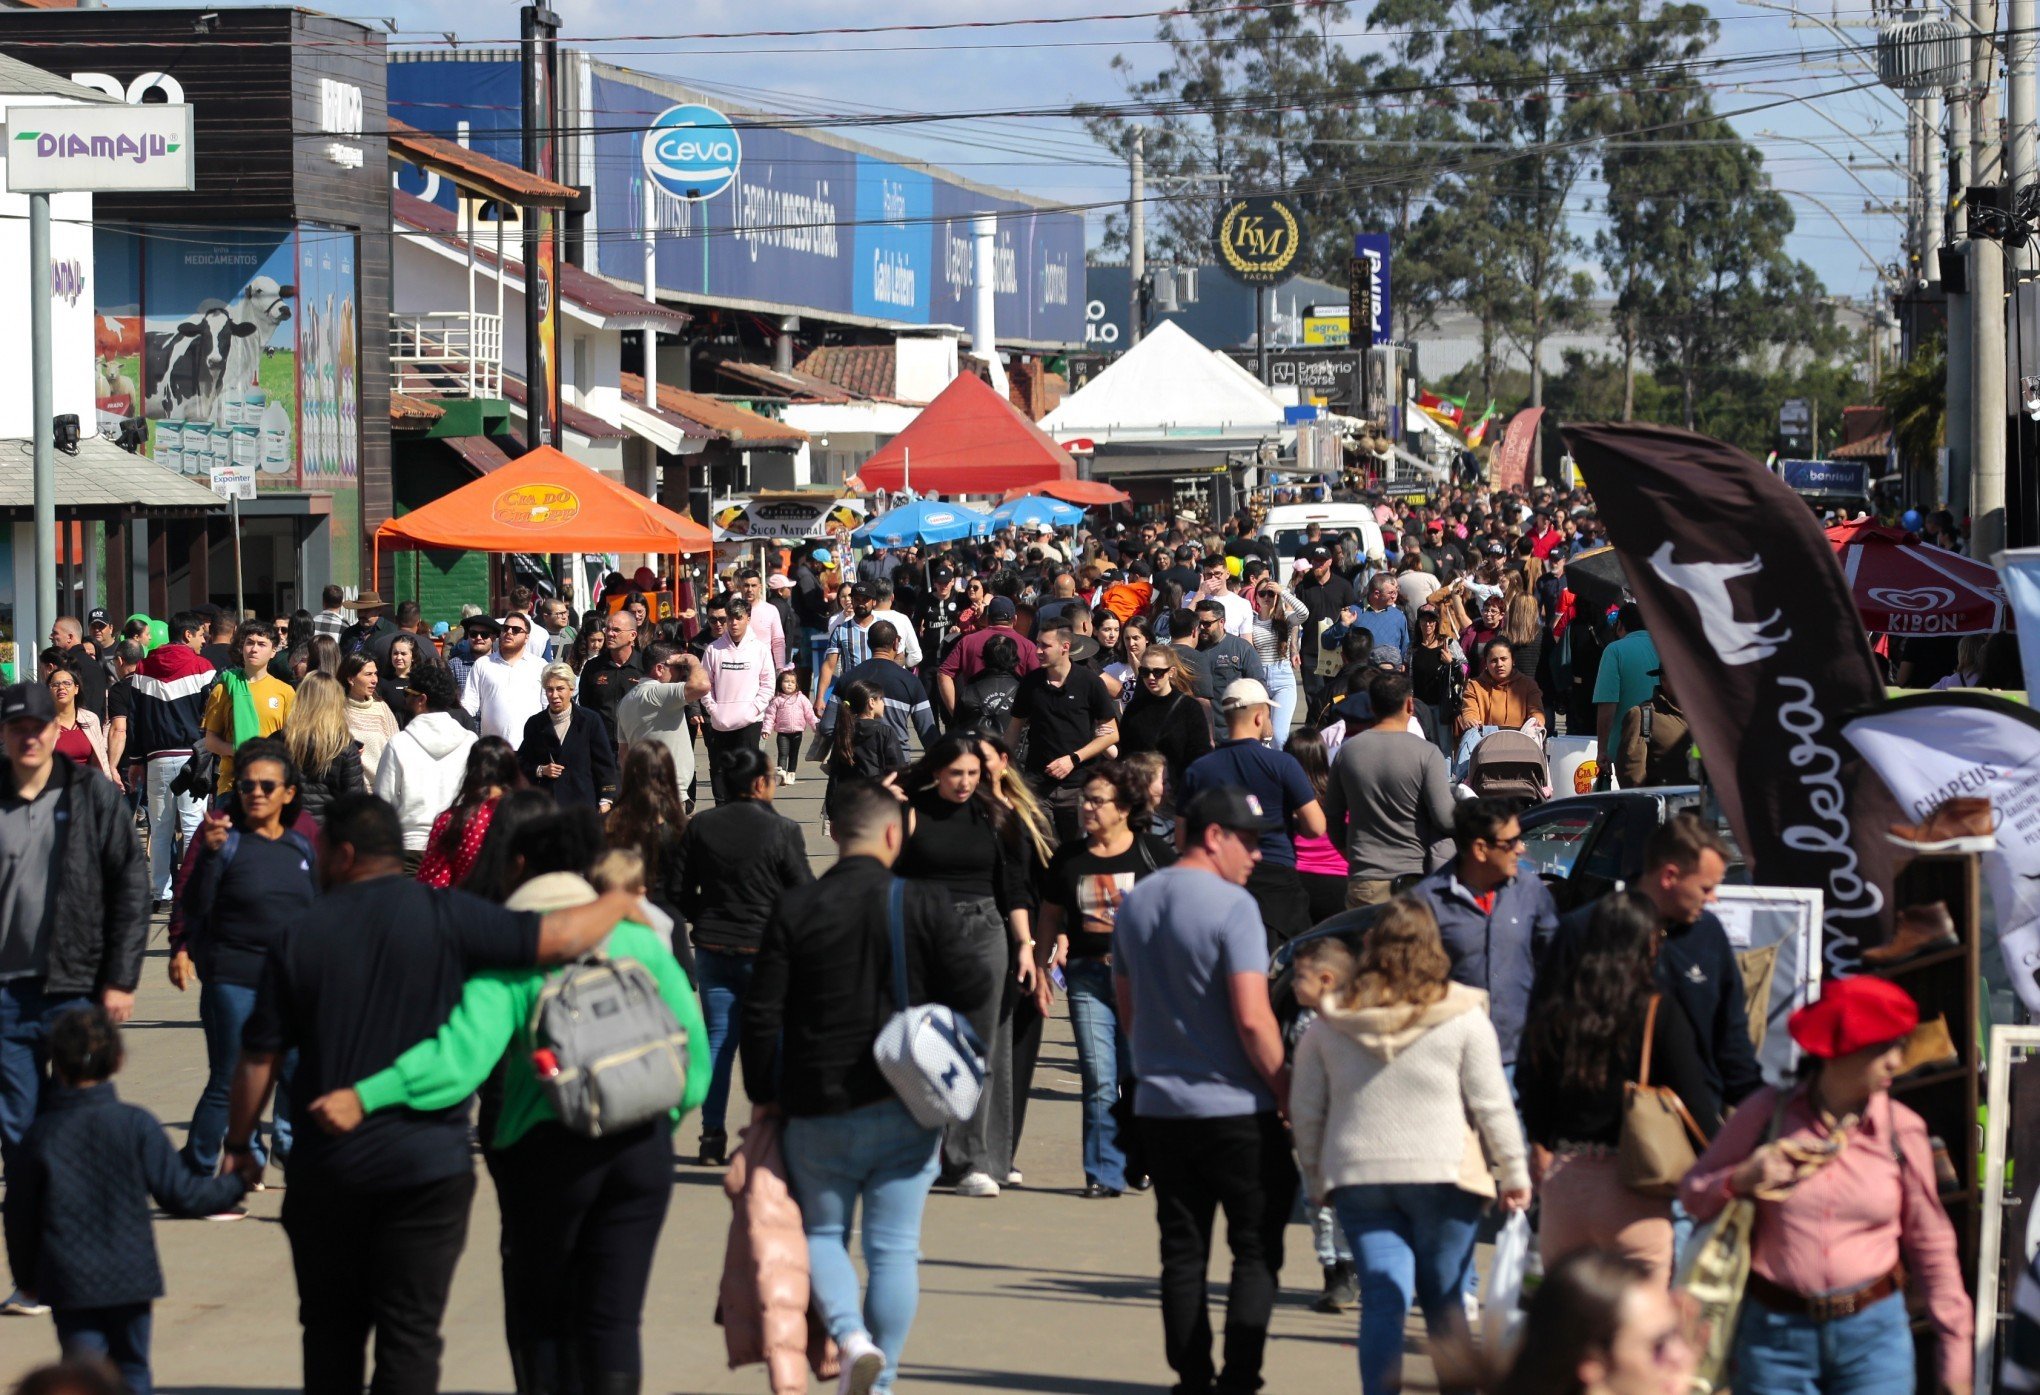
[1753,622]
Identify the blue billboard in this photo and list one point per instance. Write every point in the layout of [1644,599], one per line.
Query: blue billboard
[745,212]
[1848,479]
[1374,247]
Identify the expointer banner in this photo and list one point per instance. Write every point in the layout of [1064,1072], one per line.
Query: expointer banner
[1753,623]
[1939,746]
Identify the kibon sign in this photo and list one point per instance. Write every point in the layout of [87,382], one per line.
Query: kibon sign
[1259,240]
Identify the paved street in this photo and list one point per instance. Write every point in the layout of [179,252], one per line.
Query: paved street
[1035,1291]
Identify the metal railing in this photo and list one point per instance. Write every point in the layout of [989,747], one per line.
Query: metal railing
[447,353]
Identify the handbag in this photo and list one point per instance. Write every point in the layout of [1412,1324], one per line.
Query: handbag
[1660,1141]
[1716,1270]
[929,1054]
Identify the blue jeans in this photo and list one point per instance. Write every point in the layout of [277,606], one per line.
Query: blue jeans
[1409,1240]
[1282,688]
[1094,1016]
[880,1155]
[725,979]
[26,1015]
[119,1336]
[223,1010]
[1867,1353]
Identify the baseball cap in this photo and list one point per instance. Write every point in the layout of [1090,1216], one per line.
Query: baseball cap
[98,616]
[822,555]
[777,582]
[1318,552]
[27,701]
[1226,806]
[1436,525]
[1243,693]
[1495,549]
[862,591]
[439,629]
[1384,656]
[1001,609]
[939,574]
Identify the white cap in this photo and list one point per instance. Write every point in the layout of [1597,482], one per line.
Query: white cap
[1243,693]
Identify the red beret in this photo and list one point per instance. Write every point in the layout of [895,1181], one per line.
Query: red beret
[1853,1013]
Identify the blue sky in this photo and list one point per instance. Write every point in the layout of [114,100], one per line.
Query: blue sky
[1807,141]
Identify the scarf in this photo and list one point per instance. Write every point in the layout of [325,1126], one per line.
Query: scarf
[246,724]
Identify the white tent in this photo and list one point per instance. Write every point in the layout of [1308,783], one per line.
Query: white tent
[1169,388]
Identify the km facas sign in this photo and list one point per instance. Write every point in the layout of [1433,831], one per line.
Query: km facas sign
[1259,239]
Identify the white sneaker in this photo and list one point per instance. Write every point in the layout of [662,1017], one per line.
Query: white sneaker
[782,776]
[19,1304]
[791,778]
[232,1213]
[863,1364]
[976,1184]
[1014,1179]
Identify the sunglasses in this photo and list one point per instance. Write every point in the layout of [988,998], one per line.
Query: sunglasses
[258,786]
[516,630]
[1505,844]
[1154,672]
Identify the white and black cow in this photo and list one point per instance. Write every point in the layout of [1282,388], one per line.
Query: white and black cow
[264,305]
[188,365]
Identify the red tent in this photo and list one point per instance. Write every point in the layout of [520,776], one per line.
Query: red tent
[969,440]
[1904,587]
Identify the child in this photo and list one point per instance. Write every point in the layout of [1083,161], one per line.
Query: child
[78,1231]
[1323,968]
[865,745]
[787,716]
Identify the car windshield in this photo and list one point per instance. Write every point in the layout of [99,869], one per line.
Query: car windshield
[1290,542]
[1552,846]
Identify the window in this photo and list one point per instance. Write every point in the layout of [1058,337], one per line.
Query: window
[581,383]
[1552,845]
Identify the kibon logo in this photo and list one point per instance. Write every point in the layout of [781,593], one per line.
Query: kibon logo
[535,506]
[692,152]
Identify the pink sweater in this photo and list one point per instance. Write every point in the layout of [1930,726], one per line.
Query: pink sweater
[1847,1224]
[789,714]
[740,682]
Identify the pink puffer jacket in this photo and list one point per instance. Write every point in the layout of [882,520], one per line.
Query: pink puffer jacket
[763,1307]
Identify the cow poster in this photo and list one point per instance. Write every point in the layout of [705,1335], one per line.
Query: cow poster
[197,337]
[328,380]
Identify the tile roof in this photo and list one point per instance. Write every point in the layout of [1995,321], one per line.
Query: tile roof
[404,407]
[867,369]
[473,170]
[19,79]
[795,385]
[571,417]
[581,288]
[104,479]
[728,421]
[1876,447]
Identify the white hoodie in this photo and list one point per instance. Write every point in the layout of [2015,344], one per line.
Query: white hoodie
[421,772]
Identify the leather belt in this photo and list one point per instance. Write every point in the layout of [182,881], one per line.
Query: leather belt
[1822,1307]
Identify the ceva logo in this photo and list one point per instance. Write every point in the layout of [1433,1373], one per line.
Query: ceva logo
[692,152]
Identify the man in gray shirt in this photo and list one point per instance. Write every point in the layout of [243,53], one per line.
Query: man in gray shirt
[1389,801]
[656,709]
[1221,659]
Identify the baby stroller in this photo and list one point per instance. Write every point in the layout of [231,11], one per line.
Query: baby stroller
[1509,765]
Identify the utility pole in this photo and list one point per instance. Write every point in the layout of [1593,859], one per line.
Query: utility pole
[1136,231]
[42,402]
[1930,188]
[1954,485]
[1986,302]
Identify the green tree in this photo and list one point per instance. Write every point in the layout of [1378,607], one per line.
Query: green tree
[1915,395]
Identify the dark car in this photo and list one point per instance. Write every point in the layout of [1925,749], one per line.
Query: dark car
[1582,846]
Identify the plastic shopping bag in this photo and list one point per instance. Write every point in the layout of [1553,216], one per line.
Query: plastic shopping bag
[1501,1297]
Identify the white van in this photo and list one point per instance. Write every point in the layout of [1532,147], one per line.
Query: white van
[1286,525]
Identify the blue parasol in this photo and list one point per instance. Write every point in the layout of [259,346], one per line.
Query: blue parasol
[925,521]
[1036,511]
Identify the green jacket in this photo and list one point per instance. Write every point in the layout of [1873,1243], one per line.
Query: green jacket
[494,1016]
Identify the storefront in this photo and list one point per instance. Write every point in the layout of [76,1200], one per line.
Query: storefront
[246,322]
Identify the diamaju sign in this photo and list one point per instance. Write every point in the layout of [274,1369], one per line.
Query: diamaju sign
[92,148]
[1259,239]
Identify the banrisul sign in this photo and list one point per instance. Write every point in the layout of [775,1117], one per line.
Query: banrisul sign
[98,148]
[692,152]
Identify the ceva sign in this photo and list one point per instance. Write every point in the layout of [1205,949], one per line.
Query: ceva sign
[692,152]
[95,149]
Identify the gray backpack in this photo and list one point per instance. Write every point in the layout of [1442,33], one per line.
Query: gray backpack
[622,1058]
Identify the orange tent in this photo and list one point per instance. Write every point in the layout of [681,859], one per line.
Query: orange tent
[543,501]
[1089,493]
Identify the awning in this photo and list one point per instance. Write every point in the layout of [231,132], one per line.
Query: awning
[543,501]
[101,481]
[480,452]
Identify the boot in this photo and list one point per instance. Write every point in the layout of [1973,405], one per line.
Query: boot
[715,1148]
[611,1383]
[1342,1289]
[535,1367]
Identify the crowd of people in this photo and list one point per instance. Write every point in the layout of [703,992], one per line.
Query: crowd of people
[1130,762]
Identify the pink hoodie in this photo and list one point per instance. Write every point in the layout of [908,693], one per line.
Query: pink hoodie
[789,714]
[741,678]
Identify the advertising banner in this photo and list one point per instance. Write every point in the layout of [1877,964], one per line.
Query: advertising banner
[2020,569]
[1939,746]
[99,149]
[1511,464]
[328,381]
[1848,479]
[747,212]
[1374,247]
[1754,626]
[784,516]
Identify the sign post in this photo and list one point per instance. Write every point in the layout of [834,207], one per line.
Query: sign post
[81,148]
[235,483]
